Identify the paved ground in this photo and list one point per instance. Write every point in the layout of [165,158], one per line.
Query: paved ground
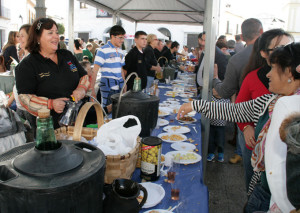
[225,182]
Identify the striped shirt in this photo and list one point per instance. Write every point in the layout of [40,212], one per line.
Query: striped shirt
[110,59]
[249,111]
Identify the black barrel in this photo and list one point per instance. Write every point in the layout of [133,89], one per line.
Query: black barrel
[69,179]
[139,104]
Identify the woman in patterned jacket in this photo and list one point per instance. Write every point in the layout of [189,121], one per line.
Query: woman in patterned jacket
[284,81]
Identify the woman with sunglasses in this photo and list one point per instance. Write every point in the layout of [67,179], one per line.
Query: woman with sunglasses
[49,76]
[284,80]
[254,83]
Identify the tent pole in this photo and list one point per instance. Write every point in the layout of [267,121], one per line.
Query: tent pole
[114,19]
[71,25]
[210,26]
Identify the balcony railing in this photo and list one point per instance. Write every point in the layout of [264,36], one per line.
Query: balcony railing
[4,12]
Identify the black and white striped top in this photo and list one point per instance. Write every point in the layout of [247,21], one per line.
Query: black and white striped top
[249,111]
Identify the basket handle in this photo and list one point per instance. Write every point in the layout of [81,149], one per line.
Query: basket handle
[81,116]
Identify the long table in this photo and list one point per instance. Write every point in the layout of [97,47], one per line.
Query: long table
[193,193]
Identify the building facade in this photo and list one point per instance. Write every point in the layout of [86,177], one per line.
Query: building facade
[13,14]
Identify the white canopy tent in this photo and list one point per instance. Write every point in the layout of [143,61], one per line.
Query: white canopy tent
[154,11]
[189,12]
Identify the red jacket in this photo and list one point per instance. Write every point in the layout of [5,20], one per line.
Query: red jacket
[251,88]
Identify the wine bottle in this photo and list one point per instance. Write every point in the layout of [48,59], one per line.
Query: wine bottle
[45,137]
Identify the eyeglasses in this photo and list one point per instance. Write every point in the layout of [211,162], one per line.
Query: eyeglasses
[120,38]
[269,50]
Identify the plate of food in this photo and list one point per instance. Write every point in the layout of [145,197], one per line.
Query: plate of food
[162,122]
[175,108]
[186,120]
[163,112]
[170,93]
[172,99]
[191,114]
[176,129]
[186,94]
[184,157]
[183,146]
[172,102]
[187,100]
[158,211]
[172,137]
[155,194]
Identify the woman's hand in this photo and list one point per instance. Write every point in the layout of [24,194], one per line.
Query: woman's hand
[184,109]
[78,94]
[59,104]
[249,136]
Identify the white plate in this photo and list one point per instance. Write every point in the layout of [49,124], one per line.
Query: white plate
[171,141]
[170,93]
[187,122]
[158,211]
[171,102]
[164,112]
[172,99]
[155,194]
[186,95]
[177,129]
[182,146]
[192,113]
[178,81]
[185,100]
[196,159]
[162,122]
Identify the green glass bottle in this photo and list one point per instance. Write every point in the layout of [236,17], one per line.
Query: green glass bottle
[137,84]
[45,137]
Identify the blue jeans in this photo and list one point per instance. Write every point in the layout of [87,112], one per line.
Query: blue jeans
[149,81]
[259,200]
[106,90]
[240,141]
[246,153]
[216,138]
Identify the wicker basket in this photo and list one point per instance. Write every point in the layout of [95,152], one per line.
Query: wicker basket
[117,166]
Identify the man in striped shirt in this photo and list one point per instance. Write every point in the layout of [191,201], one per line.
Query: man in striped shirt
[110,58]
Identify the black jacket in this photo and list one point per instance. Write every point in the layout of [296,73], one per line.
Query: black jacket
[10,51]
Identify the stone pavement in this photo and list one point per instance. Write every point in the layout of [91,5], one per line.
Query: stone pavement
[225,182]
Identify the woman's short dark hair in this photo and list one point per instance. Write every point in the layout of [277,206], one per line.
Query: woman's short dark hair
[35,33]
[77,44]
[287,57]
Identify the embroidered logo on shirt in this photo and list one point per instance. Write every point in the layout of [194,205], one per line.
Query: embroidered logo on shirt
[72,66]
[44,74]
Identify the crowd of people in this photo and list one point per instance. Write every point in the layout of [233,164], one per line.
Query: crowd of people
[261,76]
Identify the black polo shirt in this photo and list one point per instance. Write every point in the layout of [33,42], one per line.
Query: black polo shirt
[135,62]
[40,76]
[150,60]
[167,53]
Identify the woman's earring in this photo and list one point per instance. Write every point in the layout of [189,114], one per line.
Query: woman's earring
[289,80]
[38,43]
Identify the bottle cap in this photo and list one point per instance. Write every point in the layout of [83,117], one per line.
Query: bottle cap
[44,113]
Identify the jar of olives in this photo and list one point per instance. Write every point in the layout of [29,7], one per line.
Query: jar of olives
[151,154]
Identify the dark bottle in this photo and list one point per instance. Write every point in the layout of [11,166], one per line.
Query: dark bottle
[45,137]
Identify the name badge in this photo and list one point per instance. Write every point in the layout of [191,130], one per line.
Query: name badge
[139,61]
